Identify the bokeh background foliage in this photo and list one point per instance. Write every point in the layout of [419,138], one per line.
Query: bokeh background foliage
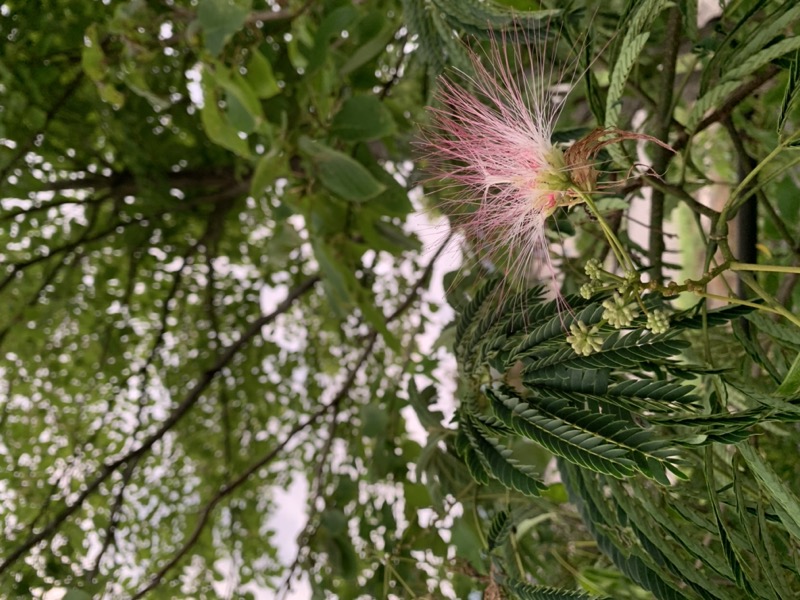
[210,292]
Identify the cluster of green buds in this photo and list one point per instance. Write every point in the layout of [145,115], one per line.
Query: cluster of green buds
[595,273]
[584,340]
[619,312]
[620,309]
[658,321]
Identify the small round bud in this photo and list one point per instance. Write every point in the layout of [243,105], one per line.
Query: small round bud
[587,290]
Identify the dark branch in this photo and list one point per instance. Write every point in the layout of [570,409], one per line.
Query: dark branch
[657,246]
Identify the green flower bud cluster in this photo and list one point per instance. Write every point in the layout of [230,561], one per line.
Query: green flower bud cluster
[584,340]
[587,290]
[658,321]
[619,312]
[593,270]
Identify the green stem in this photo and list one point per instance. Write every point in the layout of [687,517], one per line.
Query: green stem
[764,295]
[735,300]
[616,246]
[775,306]
[734,200]
[735,266]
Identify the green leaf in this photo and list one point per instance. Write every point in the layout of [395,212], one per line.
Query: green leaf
[260,76]
[331,26]
[759,59]
[363,118]
[631,48]
[92,56]
[596,441]
[341,174]
[268,168]
[216,125]
[499,530]
[772,484]
[416,495]
[345,291]
[382,235]
[136,82]
[220,19]
[420,401]
[497,462]
[791,92]
[791,383]
[523,591]
[76,595]
[374,420]
[731,551]
[621,352]
[244,109]
[369,50]
[467,543]
[709,100]
[338,279]
[621,554]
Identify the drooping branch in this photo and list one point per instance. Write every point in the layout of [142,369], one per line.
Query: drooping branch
[177,414]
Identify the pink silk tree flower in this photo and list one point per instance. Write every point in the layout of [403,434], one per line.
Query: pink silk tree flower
[494,146]
[492,143]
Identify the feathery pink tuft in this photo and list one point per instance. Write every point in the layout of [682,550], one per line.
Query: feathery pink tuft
[494,146]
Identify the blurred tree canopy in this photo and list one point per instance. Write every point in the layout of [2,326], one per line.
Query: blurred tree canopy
[211,288]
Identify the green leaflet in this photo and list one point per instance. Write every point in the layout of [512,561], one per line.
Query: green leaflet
[554,326]
[363,118]
[711,99]
[639,568]
[531,592]
[496,461]
[636,36]
[499,530]
[791,383]
[465,320]
[772,485]
[597,442]
[618,352]
[731,552]
[761,58]
[220,19]
[792,89]
[612,416]
[341,174]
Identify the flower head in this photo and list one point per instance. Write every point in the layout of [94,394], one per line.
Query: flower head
[494,144]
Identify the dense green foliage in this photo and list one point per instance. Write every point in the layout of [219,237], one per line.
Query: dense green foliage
[215,307]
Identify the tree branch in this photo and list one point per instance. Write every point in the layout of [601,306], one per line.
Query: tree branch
[69,89]
[657,246]
[180,411]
